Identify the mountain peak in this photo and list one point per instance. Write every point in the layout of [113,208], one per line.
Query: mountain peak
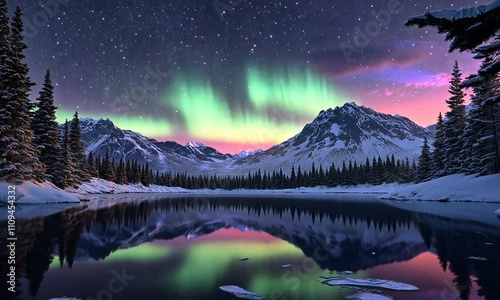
[195,145]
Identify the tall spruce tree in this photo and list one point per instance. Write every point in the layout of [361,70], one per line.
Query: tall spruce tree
[107,172]
[18,157]
[482,133]
[93,168]
[455,124]
[46,129]
[424,162]
[78,151]
[439,153]
[6,75]
[65,174]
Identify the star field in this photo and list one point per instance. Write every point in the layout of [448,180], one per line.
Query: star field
[236,74]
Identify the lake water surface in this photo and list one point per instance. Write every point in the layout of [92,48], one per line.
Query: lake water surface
[186,248]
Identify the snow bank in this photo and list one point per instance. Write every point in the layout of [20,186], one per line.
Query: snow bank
[100,186]
[459,187]
[36,193]
[372,282]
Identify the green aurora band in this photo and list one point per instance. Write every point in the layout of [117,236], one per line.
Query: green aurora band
[291,91]
[209,117]
[295,90]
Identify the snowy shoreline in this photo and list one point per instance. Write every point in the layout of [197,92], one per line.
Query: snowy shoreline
[453,188]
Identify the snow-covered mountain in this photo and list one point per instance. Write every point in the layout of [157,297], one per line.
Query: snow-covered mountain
[350,132]
[245,153]
[101,135]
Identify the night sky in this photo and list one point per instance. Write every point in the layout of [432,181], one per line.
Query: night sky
[244,79]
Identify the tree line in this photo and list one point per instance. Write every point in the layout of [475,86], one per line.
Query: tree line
[374,171]
[32,147]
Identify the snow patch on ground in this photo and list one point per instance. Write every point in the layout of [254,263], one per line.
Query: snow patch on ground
[100,186]
[367,296]
[36,193]
[458,187]
[240,292]
[372,282]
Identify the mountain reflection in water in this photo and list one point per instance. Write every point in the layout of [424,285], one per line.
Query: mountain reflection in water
[363,237]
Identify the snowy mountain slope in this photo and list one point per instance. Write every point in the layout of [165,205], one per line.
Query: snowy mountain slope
[350,132]
[101,135]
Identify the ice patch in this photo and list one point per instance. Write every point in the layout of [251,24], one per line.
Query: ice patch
[372,282]
[240,292]
[477,258]
[286,266]
[367,296]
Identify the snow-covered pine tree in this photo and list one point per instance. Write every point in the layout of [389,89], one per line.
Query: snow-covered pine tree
[424,162]
[6,73]
[466,28]
[19,158]
[482,140]
[439,154]
[475,29]
[46,129]
[455,123]
[65,174]
[78,151]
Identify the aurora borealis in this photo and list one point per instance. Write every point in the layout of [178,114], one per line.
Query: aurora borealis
[247,79]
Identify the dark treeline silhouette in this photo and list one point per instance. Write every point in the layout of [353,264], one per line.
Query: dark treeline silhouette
[374,171]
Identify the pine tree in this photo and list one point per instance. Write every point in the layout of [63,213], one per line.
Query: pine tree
[106,171]
[78,152]
[482,137]
[424,163]
[46,129]
[18,157]
[439,153]
[455,124]
[65,173]
[93,168]
[121,173]
[476,32]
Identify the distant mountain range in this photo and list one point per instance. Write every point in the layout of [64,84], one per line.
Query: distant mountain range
[349,132]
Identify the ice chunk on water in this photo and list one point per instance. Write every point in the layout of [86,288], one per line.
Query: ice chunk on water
[372,282]
[347,272]
[497,212]
[477,258]
[240,292]
[367,296]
